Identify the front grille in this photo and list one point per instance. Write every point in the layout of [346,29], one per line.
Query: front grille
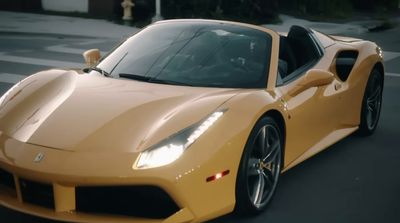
[7,179]
[37,193]
[134,201]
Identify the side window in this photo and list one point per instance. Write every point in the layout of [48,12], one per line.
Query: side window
[287,60]
[282,71]
[298,52]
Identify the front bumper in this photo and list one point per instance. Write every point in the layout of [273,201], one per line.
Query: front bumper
[63,174]
[12,202]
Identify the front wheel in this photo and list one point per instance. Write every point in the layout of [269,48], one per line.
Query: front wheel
[259,168]
[372,103]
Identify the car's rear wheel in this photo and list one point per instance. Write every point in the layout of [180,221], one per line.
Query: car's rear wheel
[260,167]
[371,105]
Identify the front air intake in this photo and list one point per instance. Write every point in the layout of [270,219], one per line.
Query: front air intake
[134,201]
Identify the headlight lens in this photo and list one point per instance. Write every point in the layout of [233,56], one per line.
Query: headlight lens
[160,156]
[172,148]
[380,52]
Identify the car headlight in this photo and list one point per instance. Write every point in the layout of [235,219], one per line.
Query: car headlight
[173,147]
[379,51]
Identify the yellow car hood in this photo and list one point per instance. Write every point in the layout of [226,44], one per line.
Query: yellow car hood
[69,111]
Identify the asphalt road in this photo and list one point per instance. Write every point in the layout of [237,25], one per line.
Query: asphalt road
[356,180]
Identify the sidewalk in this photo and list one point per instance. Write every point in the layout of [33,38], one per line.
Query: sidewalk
[48,24]
[328,28]
[17,22]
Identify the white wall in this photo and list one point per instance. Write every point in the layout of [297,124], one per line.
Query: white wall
[66,5]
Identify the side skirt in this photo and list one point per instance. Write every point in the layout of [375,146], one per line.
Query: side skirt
[327,141]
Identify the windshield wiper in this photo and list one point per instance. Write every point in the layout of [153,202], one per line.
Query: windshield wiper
[98,69]
[135,77]
[170,82]
[152,80]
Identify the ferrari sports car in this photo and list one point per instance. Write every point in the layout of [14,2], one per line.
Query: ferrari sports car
[185,121]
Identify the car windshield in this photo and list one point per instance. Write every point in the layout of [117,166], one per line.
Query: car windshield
[204,54]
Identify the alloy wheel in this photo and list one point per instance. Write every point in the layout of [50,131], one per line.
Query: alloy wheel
[374,101]
[264,165]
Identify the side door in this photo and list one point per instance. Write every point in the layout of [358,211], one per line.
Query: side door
[308,98]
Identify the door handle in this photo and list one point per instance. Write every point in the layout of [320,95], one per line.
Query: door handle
[338,86]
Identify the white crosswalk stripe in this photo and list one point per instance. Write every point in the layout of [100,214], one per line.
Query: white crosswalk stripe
[89,42]
[43,62]
[64,49]
[388,55]
[392,74]
[11,78]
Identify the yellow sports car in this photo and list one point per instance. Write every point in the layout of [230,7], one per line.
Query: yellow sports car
[185,121]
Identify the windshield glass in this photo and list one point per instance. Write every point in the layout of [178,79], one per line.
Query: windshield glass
[202,54]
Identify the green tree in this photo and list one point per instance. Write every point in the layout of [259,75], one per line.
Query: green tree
[335,8]
[375,5]
[256,11]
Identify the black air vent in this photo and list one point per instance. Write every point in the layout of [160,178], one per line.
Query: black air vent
[37,193]
[7,179]
[134,201]
[345,62]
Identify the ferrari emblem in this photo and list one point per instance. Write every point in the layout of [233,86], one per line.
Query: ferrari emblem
[264,165]
[39,157]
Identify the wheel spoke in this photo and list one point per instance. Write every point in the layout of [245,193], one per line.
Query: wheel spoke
[262,140]
[369,118]
[377,92]
[269,178]
[373,105]
[273,152]
[259,190]
[266,143]
[374,96]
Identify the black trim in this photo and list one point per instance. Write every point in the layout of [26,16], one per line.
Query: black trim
[299,72]
[132,201]
[7,179]
[345,61]
[318,44]
[37,193]
[319,51]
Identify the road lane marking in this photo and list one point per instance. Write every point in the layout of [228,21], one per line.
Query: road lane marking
[43,62]
[90,42]
[392,74]
[63,49]
[79,40]
[11,78]
[388,55]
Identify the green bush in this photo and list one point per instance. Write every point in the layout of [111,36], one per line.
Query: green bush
[376,5]
[255,11]
[329,8]
[336,8]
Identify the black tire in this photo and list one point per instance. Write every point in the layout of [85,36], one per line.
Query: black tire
[371,104]
[259,168]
